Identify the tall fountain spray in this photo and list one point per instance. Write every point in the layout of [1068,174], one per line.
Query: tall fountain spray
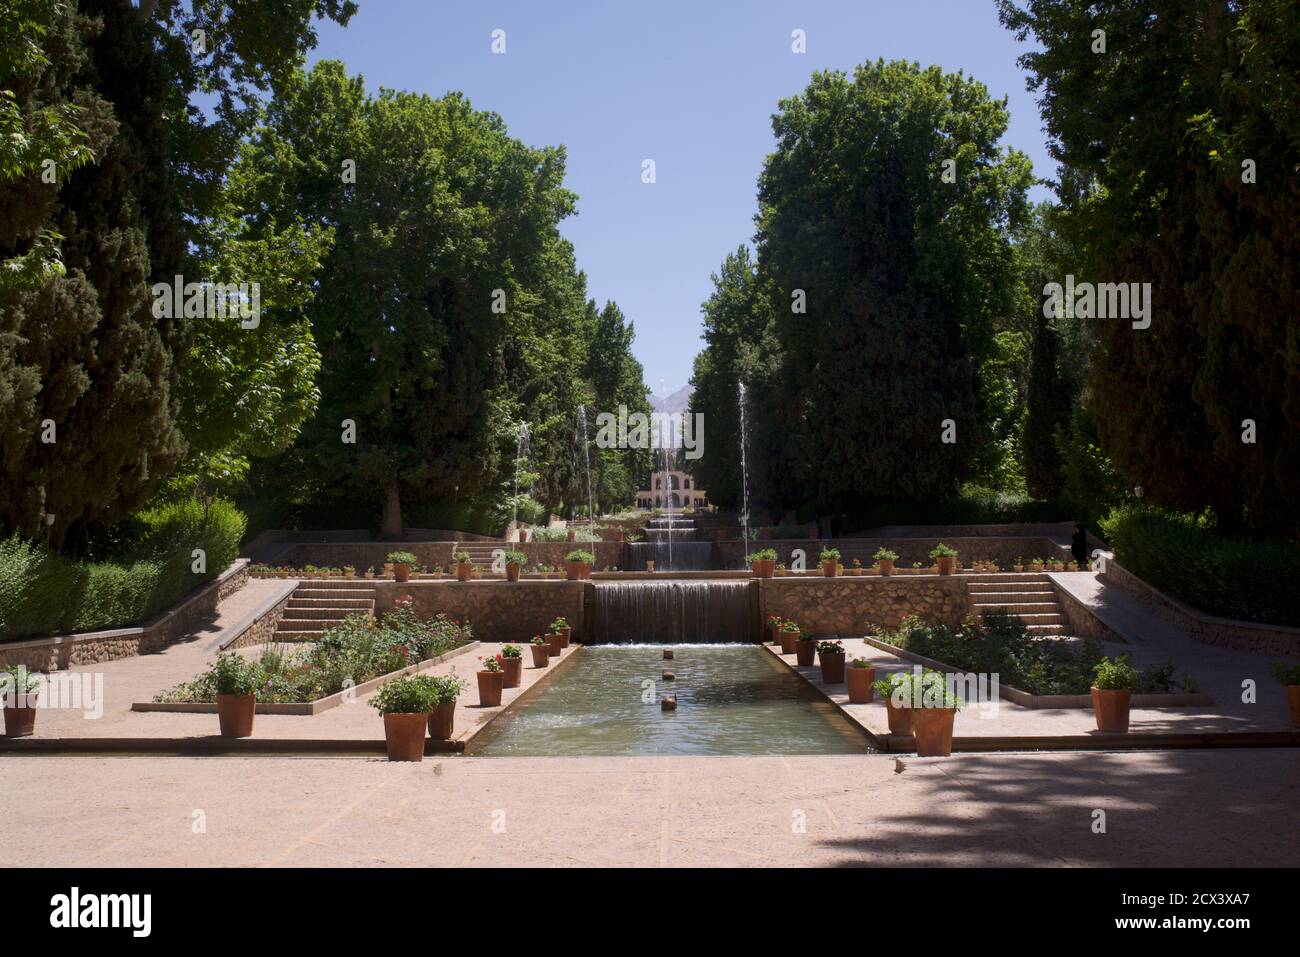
[744,470]
[523,451]
[665,442]
[586,461]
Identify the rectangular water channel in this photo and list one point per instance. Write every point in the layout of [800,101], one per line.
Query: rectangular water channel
[731,699]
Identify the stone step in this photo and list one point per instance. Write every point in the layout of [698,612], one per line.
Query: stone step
[332,593]
[1017,607]
[335,584]
[361,604]
[1013,584]
[1014,597]
[1045,629]
[296,636]
[321,614]
[305,624]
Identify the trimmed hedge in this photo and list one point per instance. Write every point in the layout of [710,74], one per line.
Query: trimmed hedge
[975,505]
[43,593]
[1185,557]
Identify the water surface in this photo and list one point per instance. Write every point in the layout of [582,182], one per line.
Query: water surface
[731,699]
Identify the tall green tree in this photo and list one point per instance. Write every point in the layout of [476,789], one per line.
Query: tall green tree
[904,271]
[1178,147]
[89,375]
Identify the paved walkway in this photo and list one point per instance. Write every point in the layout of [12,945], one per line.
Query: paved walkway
[1173,809]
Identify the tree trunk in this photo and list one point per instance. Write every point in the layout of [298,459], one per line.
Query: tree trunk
[391,527]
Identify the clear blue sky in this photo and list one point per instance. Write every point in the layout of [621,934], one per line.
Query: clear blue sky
[691,85]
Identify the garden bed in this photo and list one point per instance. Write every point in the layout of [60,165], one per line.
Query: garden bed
[355,656]
[1000,645]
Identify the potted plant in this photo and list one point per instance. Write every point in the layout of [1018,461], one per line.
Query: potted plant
[491,680]
[774,628]
[788,634]
[945,557]
[1019,565]
[830,655]
[406,704]
[442,719]
[860,675]
[932,708]
[541,649]
[762,562]
[781,571]
[577,564]
[885,558]
[1036,565]
[349,571]
[236,682]
[18,691]
[830,562]
[561,627]
[515,562]
[464,567]
[805,648]
[1288,675]
[898,715]
[401,562]
[1112,693]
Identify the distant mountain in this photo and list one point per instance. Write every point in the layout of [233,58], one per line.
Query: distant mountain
[678,401]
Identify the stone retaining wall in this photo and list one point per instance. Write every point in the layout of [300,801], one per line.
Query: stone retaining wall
[262,630]
[1208,629]
[85,648]
[846,605]
[496,610]
[363,555]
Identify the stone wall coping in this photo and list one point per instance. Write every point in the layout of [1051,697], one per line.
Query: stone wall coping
[1202,617]
[133,631]
[282,593]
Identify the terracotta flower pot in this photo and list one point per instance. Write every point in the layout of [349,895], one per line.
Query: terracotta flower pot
[830,569]
[442,720]
[886,567]
[235,714]
[401,571]
[577,571]
[554,644]
[490,684]
[788,640]
[512,571]
[541,655]
[513,669]
[20,722]
[832,667]
[900,719]
[1293,699]
[805,652]
[464,570]
[1112,709]
[945,563]
[932,730]
[404,736]
[764,568]
[860,681]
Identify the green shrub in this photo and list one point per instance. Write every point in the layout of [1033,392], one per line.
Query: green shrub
[943,551]
[1286,673]
[886,555]
[762,555]
[401,558]
[1187,558]
[42,593]
[541,533]
[578,555]
[830,555]
[1116,675]
[513,557]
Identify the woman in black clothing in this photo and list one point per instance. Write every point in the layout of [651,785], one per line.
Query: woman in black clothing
[1079,545]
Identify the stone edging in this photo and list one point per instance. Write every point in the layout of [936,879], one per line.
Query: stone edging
[1200,626]
[1027,700]
[90,647]
[470,734]
[258,626]
[308,707]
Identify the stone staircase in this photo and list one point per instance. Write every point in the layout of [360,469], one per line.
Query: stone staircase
[317,605]
[480,554]
[1029,597]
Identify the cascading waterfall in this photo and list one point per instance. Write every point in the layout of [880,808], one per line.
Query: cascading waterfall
[672,545]
[672,611]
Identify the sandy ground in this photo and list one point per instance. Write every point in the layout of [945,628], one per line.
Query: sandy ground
[1220,809]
